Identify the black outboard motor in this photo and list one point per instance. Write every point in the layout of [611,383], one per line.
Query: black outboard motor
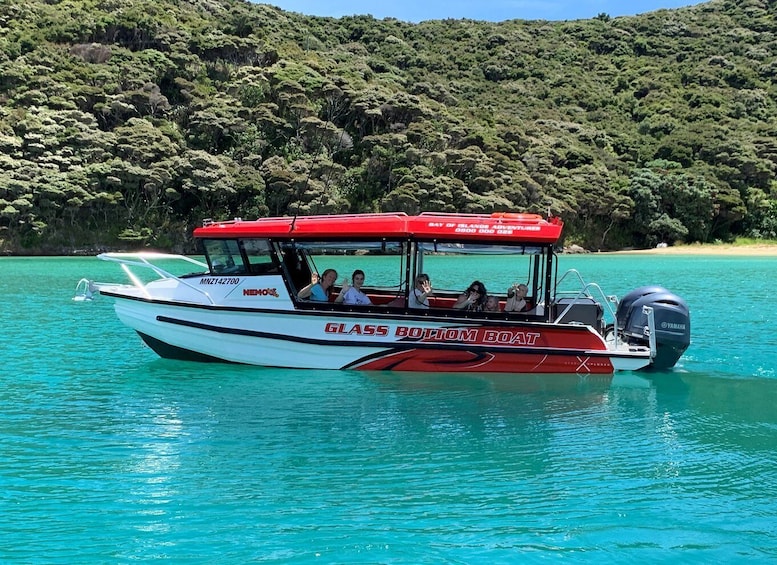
[624,306]
[672,323]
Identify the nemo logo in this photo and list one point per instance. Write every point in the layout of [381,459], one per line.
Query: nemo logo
[260,292]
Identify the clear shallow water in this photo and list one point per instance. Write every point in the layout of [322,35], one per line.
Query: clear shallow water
[110,454]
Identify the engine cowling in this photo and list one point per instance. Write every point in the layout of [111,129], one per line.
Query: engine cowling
[672,323]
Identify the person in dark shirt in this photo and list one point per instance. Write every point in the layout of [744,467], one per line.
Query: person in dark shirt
[473,299]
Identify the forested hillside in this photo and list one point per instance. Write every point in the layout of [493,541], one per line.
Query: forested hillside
[123,123]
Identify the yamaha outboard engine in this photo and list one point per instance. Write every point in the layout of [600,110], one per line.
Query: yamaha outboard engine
[672,323]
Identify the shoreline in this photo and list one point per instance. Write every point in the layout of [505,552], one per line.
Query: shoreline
[721,249]
[749,250]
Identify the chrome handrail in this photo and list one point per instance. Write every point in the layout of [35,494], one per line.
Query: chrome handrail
[607,301]
[584,292]
[143,259]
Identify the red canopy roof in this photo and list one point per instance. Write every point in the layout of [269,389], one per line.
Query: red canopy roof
[500,227]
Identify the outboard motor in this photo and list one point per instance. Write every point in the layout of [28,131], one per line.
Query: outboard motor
[672,323]
[624,306]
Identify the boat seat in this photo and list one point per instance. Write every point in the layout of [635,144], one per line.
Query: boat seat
[583,311]
[398,302]
[441,302]
[265,269]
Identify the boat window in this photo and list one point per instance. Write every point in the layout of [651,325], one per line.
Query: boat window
[223,256]
[260,256]
[389,265]
[452,266]
[383,263]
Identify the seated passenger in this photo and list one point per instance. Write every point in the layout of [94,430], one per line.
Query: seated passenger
[516,298]
[419,295]
[353,294]
[473,299]
[492,304]
[319,288]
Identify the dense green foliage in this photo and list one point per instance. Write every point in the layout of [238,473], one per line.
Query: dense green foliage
[125,122]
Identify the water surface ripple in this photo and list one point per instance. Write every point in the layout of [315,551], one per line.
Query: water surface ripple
[110,454]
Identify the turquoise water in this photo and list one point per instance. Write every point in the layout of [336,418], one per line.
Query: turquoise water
[111,455]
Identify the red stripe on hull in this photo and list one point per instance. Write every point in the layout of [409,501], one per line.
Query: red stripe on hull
[424,360]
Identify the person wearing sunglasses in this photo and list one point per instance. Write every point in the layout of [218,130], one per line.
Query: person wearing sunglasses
[473,299]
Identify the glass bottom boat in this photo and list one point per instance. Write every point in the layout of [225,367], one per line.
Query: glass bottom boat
[252,299]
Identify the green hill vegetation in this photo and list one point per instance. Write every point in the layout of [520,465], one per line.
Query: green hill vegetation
[123,123]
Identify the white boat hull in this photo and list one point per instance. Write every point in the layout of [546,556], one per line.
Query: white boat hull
[334,340]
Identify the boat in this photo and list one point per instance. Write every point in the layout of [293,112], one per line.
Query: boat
[240,302]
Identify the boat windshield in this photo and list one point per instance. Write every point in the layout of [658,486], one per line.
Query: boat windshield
[224,256]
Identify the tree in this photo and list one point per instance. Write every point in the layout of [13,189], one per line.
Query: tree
[150,116]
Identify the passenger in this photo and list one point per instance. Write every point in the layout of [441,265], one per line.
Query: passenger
[353,294]
[419,296]
[319,288]
[473,299]
[516,298]
[492,304]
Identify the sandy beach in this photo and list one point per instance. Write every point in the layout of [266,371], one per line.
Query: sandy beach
[754,250]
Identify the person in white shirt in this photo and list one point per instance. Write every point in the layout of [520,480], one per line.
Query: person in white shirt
[516,298]
[353,294]
[419,295]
